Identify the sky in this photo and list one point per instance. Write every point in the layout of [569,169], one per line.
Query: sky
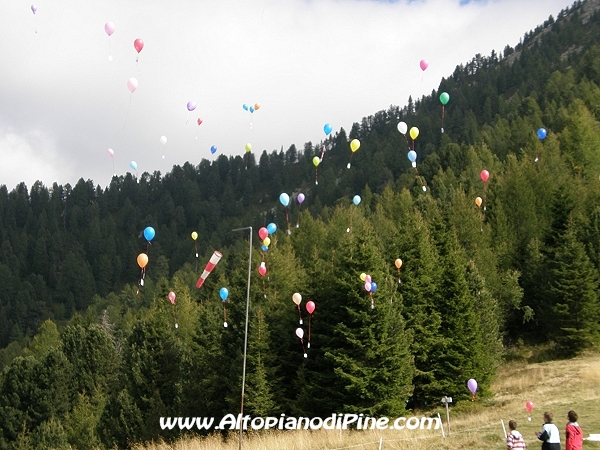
[64,97]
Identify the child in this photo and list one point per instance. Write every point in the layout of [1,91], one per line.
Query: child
[514,440]
[573,433]
[549,434]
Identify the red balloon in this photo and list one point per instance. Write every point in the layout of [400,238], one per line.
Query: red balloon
[262,270]
[263,233]
[199,121]
[484,175]
[310,307]
[138,44]
[529,406]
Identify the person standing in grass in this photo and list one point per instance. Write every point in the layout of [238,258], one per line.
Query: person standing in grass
[549,435]
[514,440]
[573,433]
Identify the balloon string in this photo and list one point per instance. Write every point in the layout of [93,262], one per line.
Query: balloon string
[316,175]
[309,317]
[264,288]
[372,301]
[174,314]
[287,220]
[419,177]
[407,143]
[350,162]
[299,315]
[224,313]
[484,189]
[442,118]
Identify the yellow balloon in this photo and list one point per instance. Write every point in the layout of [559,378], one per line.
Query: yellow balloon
[316,161]
[478,202]
[354,145]
[194,235]
[248,147]
[363,276]
[267,241]
[297,298]
[414,132]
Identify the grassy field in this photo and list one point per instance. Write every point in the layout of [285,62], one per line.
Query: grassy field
[555,386]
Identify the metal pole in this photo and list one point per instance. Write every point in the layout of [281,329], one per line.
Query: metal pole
[245,335]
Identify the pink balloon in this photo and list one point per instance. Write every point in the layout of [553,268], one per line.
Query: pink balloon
[263,233]
[172,297]
[262,270]
[33,9]
[310,307]
[199,121]
[109,27]
[132,85]
[368,278]
[484,175]
[138,44]
[367,286]
[529,406]
[424,64]
[111,152]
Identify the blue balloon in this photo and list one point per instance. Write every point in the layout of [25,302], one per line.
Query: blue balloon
[224,293]
[271,228]
[252,109]
[133,165]
[284,199]
[149,233]
[412,156]
[245,107]
[264,248]
[356,199]
[541,133]
[213,149]
[373,286]
[327,128]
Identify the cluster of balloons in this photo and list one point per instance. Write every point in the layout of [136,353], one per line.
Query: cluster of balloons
[310,309]
[370,286]
[251,108]
[263,234]
[413,133]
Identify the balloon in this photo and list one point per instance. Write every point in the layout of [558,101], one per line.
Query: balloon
[354,145]
[300,197]
[163,140]
[264,248]
[541,133]
[248,147]
[262,270]
[356,200]
[300,332]
[213,149]
[262,233]
[424,64]
[363,276]
[34,10]
[149,233]
[327,128]
[297,298]
[142,260]
[484,175]
[111,152]
[172,297]
[271,228]
[284,199]
[529,406]
[310,307]
[472,385]
[194,235]
[224,293]
[373,286]
[478,202]
[245,107]
[133,165]
[402,127]
[398,263]
[109,27]
[132,84]
[257,106]
[368,286]
[199,121]
[316,161]
[444,98]
[191,105]
[368,278]
[412,156]
[267,241]
[414,132]
[252,109]
[138,44]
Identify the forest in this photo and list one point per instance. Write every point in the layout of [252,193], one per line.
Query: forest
[91,356]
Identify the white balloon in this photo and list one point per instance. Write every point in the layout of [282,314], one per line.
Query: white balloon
[402,127]
[300,332]
[163,140]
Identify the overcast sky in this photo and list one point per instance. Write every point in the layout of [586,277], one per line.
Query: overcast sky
[64,102]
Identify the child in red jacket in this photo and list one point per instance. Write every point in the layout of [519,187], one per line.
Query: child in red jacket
[574,440]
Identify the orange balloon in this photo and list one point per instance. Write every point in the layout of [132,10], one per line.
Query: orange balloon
[398,263]
[142,260]
[478,202]
[256,106]
[297,298]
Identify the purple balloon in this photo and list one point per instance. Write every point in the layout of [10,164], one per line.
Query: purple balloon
[33,9]
[301,198]
[472,385]
[191,105]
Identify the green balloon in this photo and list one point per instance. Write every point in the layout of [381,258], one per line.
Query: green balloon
[444,98]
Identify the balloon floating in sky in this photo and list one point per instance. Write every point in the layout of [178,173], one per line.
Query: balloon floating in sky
[327,128]
[423,64]
[310,307]
[398,263]
[284,199]
[354,145]
[194,235]
[529,406]
[223,293]
[472,385]
[163,140]
[142,260]
[300,197]
[484,175]
[149,233]
[191,105]
[412,156]
[414,133]
[444,98]
[110,152]
[33,9]
[132,84]
[402,127]
[199,121]
[541,133]
[478,202]
[356,200]
[263,233]
[316,161]
[138,44]
[172,297]
[213,149]
[248,148]
[271,228]
[109,28]
[133,165]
